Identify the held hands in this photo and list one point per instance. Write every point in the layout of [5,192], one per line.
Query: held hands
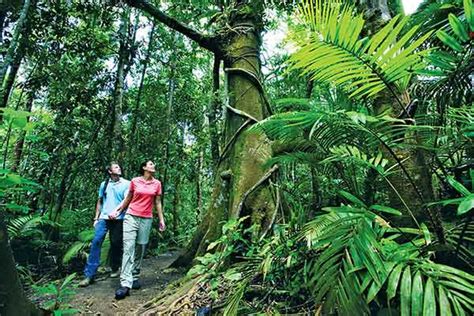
[114,214]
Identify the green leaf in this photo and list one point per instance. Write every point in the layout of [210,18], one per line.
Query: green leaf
[449,41]
[444,305]
[451,270]
[458,286]
[469,13]
[458,186]
[385,209]
[351,198]
[405,292]
[457,27]
[393,281]
[429,300]
[417,295]
[466,205]
[233,275]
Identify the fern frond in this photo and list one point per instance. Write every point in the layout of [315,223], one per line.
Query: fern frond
[27,225]
[385,61]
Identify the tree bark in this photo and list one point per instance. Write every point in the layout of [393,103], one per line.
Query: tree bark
[198,184]
[213,112]
[12,48]
[13,300]
[238,188]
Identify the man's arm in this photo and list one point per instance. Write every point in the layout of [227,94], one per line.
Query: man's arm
[159,210]
[97,210]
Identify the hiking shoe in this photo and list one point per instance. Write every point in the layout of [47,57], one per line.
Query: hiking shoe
[136,285]
[115,274]
[86,282]
[122,292]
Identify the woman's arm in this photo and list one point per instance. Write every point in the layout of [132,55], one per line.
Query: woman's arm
[159,210]
[122,206]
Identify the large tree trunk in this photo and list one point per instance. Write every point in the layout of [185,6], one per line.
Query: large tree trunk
[12,297]
[241,187]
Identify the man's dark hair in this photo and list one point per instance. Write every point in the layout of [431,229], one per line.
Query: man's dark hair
[107,180]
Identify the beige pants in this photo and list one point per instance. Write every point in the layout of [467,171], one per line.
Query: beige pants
[136,231]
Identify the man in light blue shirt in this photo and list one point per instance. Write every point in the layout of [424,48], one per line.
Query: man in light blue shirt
[111,193]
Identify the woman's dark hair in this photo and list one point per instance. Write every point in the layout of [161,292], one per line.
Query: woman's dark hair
[142,165]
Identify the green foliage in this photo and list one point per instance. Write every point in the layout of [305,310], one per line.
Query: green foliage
[372,65]
[28,226]
[220,252]
[466,202]
[344,259]
[451,68]
[57,295]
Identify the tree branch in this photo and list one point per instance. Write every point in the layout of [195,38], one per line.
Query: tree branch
[208,42]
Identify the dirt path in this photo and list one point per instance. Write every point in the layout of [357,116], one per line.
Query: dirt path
[98,298]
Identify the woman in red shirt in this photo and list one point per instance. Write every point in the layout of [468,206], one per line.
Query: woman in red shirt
[144,193]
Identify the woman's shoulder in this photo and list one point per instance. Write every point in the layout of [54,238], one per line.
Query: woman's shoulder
[136,179]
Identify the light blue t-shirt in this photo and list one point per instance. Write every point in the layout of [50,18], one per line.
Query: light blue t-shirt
[116,193]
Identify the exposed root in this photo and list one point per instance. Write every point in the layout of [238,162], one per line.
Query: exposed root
[181,298]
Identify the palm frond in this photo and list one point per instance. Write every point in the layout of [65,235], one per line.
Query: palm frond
[370,65]
[451,68]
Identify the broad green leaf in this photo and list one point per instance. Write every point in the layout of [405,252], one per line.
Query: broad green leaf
[393,281]
[385,209]
[444,305]
[458,27]
[426,233]
[351,198]
[405,292]
[429,300]
[466,205]
[417,295]
[449,41]
[458,186]
[469,13]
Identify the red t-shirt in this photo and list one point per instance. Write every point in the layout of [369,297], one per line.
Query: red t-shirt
[144,193]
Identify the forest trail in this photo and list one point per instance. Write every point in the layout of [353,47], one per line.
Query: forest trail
[98,298]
